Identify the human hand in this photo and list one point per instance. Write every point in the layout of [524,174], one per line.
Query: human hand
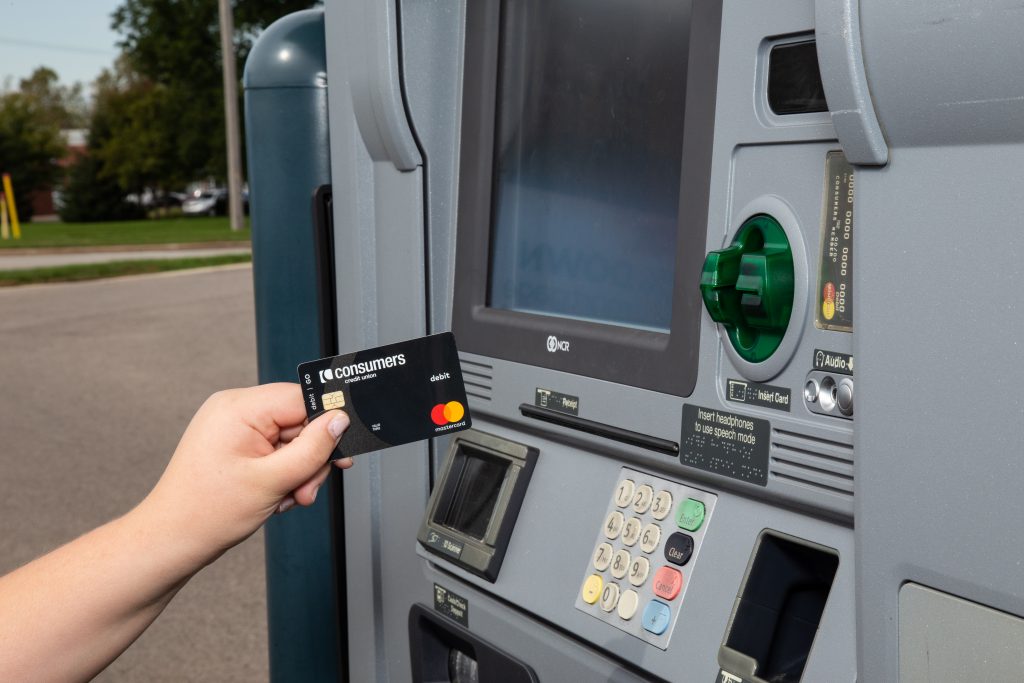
[246,455]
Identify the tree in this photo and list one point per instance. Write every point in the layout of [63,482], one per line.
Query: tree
[91,195]
[175,44]
[30,142]
[60,105]
[131,117]
[125,153]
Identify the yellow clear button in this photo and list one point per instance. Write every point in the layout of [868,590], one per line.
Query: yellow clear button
[592,589]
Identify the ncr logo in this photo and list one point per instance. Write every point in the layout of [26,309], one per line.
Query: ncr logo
[555,345]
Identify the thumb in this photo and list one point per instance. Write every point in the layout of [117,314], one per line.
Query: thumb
[295,463]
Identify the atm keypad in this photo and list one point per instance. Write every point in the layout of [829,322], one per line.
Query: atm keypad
[644,555]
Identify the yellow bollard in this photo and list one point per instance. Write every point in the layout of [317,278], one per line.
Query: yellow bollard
[5,229]
[9,193]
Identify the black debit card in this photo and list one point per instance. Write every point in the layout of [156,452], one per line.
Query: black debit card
[393,394]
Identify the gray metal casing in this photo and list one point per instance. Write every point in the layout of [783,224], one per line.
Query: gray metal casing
[935,131]
[940,426]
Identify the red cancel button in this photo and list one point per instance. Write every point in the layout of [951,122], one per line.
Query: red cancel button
[667,583]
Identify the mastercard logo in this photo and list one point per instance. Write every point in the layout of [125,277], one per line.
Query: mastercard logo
[828,301]
[447,413]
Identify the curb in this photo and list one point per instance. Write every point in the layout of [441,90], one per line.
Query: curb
[238,245]
[137,276]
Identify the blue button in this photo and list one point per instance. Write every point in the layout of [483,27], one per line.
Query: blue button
[656,617]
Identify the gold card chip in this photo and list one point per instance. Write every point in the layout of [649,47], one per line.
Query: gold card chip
[333,400]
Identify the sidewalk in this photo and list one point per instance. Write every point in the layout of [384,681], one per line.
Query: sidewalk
[20,259]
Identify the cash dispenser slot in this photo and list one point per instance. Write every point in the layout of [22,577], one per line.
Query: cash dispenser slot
[776,614]
[443,652]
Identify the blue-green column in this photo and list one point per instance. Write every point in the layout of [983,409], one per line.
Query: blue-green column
[288,158]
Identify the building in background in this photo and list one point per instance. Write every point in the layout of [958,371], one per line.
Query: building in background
[44,199]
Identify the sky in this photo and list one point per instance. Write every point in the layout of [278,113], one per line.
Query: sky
[72,37]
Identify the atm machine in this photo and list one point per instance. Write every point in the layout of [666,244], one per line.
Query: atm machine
[734,289]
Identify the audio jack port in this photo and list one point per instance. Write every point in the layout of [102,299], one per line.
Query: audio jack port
[844,397]
[828,395]
[825,395]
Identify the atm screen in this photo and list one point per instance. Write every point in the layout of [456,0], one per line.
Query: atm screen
[587,159]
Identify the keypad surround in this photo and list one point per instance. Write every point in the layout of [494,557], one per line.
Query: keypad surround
[632,561]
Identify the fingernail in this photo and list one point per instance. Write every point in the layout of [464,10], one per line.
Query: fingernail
[313,498]
[338,425]
[286,505]
[343,463]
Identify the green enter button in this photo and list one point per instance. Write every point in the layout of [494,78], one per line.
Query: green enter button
[690,515]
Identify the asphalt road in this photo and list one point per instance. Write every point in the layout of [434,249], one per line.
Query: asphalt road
[97,382]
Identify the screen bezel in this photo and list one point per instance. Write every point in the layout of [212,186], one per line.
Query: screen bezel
[663,362]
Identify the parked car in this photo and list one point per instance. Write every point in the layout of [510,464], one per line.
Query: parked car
[211,202]
[149,199]
[204,202]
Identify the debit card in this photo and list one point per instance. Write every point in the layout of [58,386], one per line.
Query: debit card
[393,394]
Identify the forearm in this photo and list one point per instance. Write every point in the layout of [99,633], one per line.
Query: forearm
[68,614]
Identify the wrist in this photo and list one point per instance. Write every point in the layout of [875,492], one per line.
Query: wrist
[167,535]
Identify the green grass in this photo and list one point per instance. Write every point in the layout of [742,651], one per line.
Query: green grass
[94,271]
[153,231]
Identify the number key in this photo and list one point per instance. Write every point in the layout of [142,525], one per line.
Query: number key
[638,571]
[620,564]
[650,537]
[624,492]
[609,597]
[631,532]
[602,557]
[613,525]
[642,499]
[662,505]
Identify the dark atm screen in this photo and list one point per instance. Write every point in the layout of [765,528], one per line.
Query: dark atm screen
[475,493]
[588,157]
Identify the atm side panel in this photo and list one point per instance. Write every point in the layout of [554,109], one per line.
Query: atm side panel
[940,432]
